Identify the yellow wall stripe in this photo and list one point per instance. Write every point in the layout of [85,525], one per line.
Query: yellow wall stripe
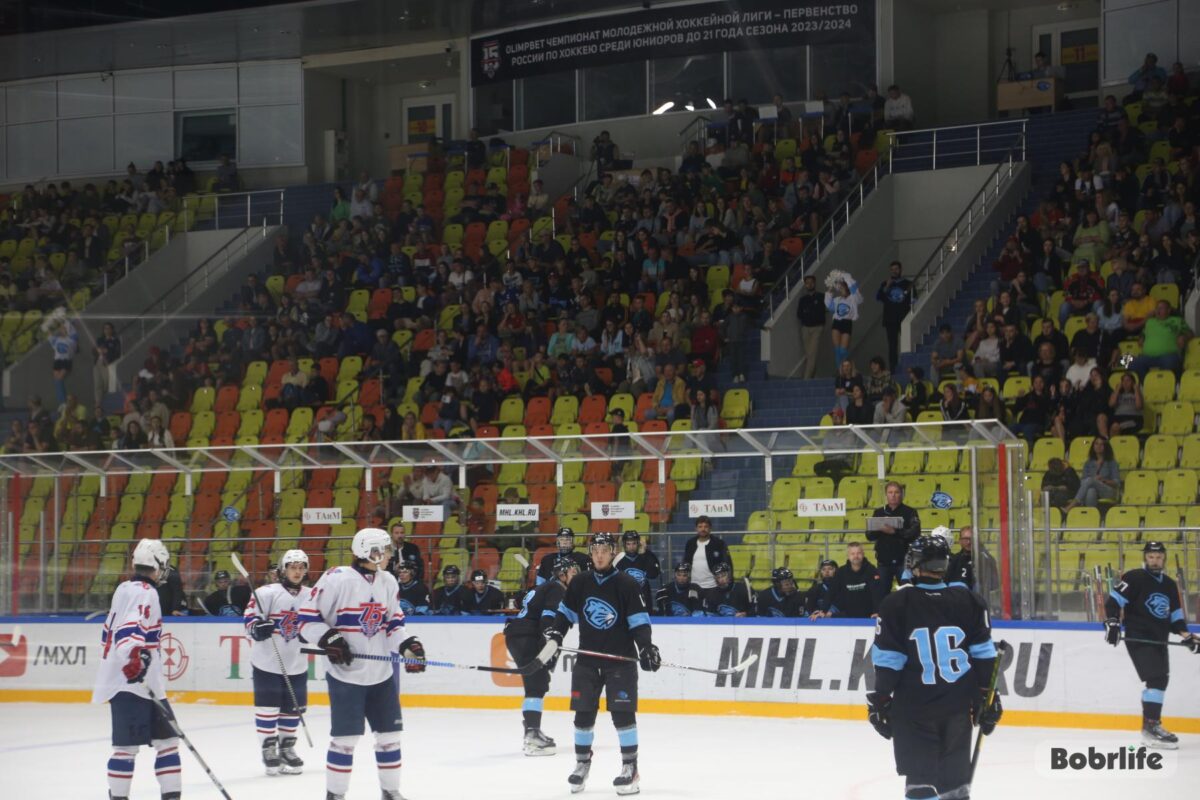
[744,708]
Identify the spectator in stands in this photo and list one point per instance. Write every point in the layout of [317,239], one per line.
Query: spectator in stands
[435,488]
[953,408]
[892,540]
[990,406]
[1010,262]
[605,152]
[1110,115]
[737,331]
[158,437]
[1035,409]
[1101,477]
[132,438]
[227,179]
[878,378]
[704,415]
[1061,481]
[1164,339]
[889,410]
[669,394]
[896,294]
[947,352]
[1140,79]
[859,410]
[898,110]
[987,351]
[847,378]
[703,552]
[1081,291]
[810,310]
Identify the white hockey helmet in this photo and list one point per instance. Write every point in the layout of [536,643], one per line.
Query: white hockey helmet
[151,553]
[942,532]
[294,557]
[371,544]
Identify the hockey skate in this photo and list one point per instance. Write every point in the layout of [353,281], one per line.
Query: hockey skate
[290,763]
[627,781]
[270,755]
[578,778]
[1155,735]
[392,795]
[538,743]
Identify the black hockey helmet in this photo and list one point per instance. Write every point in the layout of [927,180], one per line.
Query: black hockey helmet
[408,564]
[567,534]
[479,575]
[631,536]
[564,564]
[781,574]
[1154,546]
[930,553]
[683,566]
[223,575]
[602,538]
[828,562]
[723,567]
[451,569]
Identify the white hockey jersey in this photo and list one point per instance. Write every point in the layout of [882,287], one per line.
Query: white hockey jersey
[283,608]
[135,620]
[364,607]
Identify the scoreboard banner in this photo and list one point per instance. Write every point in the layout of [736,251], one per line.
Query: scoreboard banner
[680,30]
[1055,674]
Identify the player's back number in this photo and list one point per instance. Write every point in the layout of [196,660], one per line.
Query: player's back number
[940,653]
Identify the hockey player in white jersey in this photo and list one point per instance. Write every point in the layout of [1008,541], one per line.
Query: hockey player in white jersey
[279,620]
[355,610]
[130,668]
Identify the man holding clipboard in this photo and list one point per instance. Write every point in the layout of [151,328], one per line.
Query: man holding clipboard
[892,528]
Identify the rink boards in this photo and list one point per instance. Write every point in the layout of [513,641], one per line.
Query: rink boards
[1055,674]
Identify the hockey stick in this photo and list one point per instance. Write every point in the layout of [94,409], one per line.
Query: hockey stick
[524,562]
[528,669]
[166,712]
[1153,641]
[1001,649]
[746,662]
[283,673]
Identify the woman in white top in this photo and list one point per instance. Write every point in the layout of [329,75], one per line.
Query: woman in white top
[987,351]
[842,298]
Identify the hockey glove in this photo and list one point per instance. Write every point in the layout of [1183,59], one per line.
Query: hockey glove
[336,648]
[139,662]
[412,648]
[649,658]
[1193,643]
[549,652]
[262,630]
[1112,631]
[879,713]
[986,716]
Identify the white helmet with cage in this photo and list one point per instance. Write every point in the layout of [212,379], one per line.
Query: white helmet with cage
[942,532]
[151,553]
[294,557]
[371,544]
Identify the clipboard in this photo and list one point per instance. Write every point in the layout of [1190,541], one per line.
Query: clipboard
[877,523]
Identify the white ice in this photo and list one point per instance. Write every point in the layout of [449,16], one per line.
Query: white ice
[59,751]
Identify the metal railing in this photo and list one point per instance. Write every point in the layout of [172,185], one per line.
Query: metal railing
[234,209]
[826,237]
[555,142]
[957,146]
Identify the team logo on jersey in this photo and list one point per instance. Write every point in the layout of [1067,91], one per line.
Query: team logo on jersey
[525,604]
[1159,605]
[599,614]
[941,500]
[490,57]
[288,625]
[174,658]
[842,310]
[679,610]
[638,575]
[370,620]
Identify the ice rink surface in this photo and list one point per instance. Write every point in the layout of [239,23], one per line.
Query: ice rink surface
[59,751]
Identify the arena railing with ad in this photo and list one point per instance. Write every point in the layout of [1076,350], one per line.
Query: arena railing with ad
[68,522]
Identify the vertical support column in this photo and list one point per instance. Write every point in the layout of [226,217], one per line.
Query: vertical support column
[1003,543]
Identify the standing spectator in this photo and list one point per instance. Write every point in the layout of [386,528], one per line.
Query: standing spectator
[896,294]
[842,298]
[404,551]
[898,110]
[878,379]
[810,310]
[737,331]
[171,596]
[703,552]
[856,589]
[105,354]
[891,541]
[1163,341]
[1101,477]
[605,152]
[227,176]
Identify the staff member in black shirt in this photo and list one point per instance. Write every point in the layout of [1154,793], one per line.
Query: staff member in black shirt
[403,550]
[896,294]
[891,542]
[810,310]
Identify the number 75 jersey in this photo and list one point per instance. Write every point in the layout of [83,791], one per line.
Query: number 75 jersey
[933,636]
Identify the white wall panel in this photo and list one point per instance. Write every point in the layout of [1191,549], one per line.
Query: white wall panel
[144,91]
[144,139]
[85,146]
[85,97]
[272,135]
[1130,33]
[33,150]
[263,84]
[206,88]
[32,102]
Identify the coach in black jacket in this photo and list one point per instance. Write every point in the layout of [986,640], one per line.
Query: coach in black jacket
[891,544]
[856,585]
[715,552]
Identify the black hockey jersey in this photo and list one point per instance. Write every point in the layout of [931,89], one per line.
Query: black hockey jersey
[961,570]
[819,597]
[728,601]
[673,601]
[546,569]
[449,602]
[856,594]
[538,608]
[1150,603]
[414,598]
[483,603]
[643,568]
[609,610]
[771,603]
[933,649]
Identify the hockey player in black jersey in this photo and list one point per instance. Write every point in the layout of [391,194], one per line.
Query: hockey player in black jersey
[612,616]
[680,597]
[782,599]
[482,598]
[449,598]
[523,636]
[640,563]
[818,601]
[566,547]
[728,598]
[414,595]
[1150,602]
[933,657]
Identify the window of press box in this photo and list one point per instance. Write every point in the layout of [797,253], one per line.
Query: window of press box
[687,81]
[757,75]
[615,90]
[493,108]
[546,100]
[838,68]
[206,135]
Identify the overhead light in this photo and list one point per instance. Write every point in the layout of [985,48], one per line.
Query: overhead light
[665,107]
[425,84]
[690,106]
[1067,6]
[711,104]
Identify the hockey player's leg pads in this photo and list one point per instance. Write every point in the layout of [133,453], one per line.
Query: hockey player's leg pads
[387,758]
[585,731]
[120,770]
[339,761]
[531,712]
[626,724]
[167,764]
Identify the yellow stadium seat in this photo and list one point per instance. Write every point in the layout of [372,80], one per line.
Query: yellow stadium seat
[735,407]
[1163,517]
[1179,487]
[1177,417]
[1016,385]
[1125,449]
[633,492]
[249,398]
[1044,449]
[1082,524]
[1160,453]
[958,487]
[941,461]
[572,498]
[623,401]
[908,461]
[805,462]
[512,411]
[1168,292]
[1078,454]
[256,373]
[1159,387]
[203,399]
[1189,384]
[856,490]
[566,410]
[784,494]
[760,521]
[1140,488]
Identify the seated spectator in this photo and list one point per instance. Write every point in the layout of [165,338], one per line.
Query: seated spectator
[1035,409]
[670,394]
[889,410]
[1164,339]
[897,110]
[132,438]
[859,410]
[847,378]
[1082,364]
[705,416]
[987,351]
[1141,77]
[878,378]
[990,406]
[1010,262]
[947,352]
[1091,238]
[1061,481]
[1101,478]
[1110,115]
[952,406]
[1090,407]
[1081,291]
[227,176]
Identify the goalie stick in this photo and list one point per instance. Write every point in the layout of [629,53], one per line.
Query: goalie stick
[740,667]
[283,673]
[537,663]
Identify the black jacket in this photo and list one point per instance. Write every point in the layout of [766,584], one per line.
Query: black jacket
[715,552]
[408,552]
[170,593]
[810,310]
[856,594]
[890,548]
